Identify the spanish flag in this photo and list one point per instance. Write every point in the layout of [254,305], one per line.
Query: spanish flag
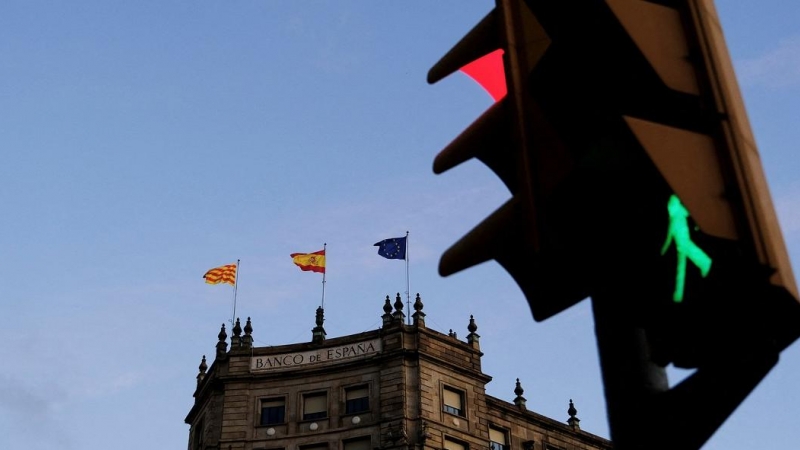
[314,262]
[222,274]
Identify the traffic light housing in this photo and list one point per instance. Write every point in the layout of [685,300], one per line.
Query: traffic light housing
[512,235]
[633,172]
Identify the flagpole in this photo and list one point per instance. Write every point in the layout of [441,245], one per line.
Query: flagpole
[408,284]
[324,247]
[235,289]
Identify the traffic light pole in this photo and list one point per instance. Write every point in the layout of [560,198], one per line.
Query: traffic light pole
[630,379]
[643,412]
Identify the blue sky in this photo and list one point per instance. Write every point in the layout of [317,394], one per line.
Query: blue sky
[146,142]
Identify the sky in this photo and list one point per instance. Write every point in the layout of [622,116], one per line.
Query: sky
[146,142]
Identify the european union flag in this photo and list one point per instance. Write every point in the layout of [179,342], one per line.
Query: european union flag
[392,248]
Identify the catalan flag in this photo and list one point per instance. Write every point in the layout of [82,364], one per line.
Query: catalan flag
[314,262]
[222,274]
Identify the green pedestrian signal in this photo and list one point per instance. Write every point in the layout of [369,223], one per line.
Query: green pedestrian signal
[678,232]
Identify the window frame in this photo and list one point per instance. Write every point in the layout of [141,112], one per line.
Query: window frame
[316,415]
[500,446]
[459,442]
[365,398]
[450,409]
[315,446]
[367,439]
[261,408]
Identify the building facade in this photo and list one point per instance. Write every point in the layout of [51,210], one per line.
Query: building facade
[400,387]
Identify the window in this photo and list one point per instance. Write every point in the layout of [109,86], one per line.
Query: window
[273,411]
[454,401]
[356,399]
[452,444]
[362,443]
[322,446]
[315,406]
[498,439]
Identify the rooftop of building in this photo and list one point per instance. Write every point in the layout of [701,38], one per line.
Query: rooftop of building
[321,352]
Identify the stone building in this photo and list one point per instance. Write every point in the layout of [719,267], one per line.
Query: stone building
[403,386]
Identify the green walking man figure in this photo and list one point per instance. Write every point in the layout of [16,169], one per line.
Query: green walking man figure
[679,233]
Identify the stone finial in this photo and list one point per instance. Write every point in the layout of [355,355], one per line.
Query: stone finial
[237,333]
[519,400]
[222,346]
[318,333]
[472,327]
[418,316]
[222,334]
[398,309]
[320,316]
[398,303]
[202,370]
[387,312]
[473,338]
[572,411]
[247,339]
[418,303]
[573,420]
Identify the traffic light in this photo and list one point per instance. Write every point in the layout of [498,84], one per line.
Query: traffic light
[633,172]
[513,235]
